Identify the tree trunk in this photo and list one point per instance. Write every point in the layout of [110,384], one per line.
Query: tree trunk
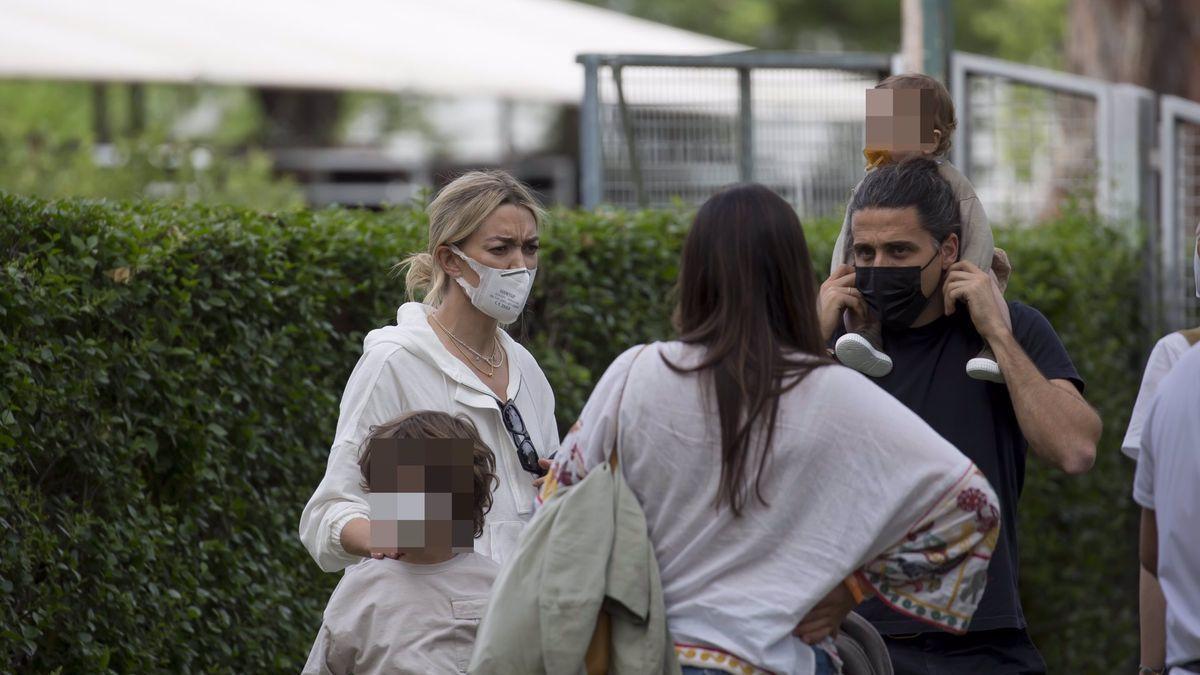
[1150,43]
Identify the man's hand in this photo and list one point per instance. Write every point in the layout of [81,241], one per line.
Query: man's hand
[967,283]
[837,295]
[823,620]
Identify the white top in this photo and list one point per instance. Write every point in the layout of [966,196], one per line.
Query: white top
[1164,355]
[1167,480]
[389,616]
[405,368]
[851,472]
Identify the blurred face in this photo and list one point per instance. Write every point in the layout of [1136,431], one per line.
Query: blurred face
[507,239]
[422,496]
[895,238]
[900,123]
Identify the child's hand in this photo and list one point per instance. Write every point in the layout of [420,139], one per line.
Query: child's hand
[393,555]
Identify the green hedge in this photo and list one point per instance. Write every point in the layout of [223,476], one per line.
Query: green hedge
[171,377]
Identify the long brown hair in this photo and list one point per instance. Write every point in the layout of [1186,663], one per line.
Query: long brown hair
[747,293]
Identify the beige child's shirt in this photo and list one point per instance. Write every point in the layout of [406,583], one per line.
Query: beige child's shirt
[390,616]
[977,244]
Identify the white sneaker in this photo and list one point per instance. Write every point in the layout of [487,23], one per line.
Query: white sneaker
[856,352]
[988,370]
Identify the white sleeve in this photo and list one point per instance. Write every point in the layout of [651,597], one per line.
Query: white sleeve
[591,438]
[1162,358]
[372,396]
[918,516]
[1143,478]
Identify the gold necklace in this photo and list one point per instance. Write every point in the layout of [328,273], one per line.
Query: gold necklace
[477,356]
[497,350]
[487,373]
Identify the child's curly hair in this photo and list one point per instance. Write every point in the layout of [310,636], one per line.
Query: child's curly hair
[944,119]
[434,424]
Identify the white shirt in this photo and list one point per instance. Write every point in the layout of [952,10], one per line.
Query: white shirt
[406,367]
[851,471]
[1168,481]
[390,616]
[1165,354]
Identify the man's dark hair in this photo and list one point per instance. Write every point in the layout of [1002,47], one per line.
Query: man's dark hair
[913,182]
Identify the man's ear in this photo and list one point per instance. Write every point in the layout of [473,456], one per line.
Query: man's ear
[949,249]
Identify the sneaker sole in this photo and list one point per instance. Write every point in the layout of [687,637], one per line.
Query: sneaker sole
[985,369]
[855,352]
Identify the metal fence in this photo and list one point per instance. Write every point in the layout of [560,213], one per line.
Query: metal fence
[1179,156]
[658,130]
[1031,140]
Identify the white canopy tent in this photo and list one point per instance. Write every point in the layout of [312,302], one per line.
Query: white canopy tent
[510,49]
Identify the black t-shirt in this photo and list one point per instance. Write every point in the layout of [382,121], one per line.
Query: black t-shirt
[929,376]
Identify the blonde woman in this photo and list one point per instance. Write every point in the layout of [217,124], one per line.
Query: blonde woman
[448,353]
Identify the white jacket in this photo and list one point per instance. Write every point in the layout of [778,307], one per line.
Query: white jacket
[405,367]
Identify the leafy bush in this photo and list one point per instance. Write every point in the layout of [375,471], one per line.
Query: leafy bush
[171,377]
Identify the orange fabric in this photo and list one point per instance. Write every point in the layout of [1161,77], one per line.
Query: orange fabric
[876,157]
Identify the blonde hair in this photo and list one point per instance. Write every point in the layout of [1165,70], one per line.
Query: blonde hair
[455,214]
[944,119]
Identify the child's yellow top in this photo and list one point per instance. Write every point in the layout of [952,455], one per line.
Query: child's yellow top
[876,158]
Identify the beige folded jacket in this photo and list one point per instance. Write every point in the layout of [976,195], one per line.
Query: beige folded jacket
[586,548]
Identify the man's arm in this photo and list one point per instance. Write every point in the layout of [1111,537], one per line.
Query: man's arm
[1148,542]
[1058,423]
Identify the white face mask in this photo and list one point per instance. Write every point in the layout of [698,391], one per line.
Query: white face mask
[501,294]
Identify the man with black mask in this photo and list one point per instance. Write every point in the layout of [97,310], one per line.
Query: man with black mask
[936,312]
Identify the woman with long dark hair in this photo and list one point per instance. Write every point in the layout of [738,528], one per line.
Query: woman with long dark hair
[777,485]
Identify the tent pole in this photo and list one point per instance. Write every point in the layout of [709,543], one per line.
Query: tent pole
[100,127]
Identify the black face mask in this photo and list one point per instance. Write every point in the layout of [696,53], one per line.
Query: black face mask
[894,293]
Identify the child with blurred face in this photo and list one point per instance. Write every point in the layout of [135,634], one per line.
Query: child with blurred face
[415,605]
[910,116]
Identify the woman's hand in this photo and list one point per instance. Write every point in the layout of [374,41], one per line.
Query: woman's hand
[356,540]
[824,620]
[545,464]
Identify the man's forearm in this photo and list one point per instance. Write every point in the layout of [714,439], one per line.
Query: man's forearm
[1152,608]
[1060,426]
